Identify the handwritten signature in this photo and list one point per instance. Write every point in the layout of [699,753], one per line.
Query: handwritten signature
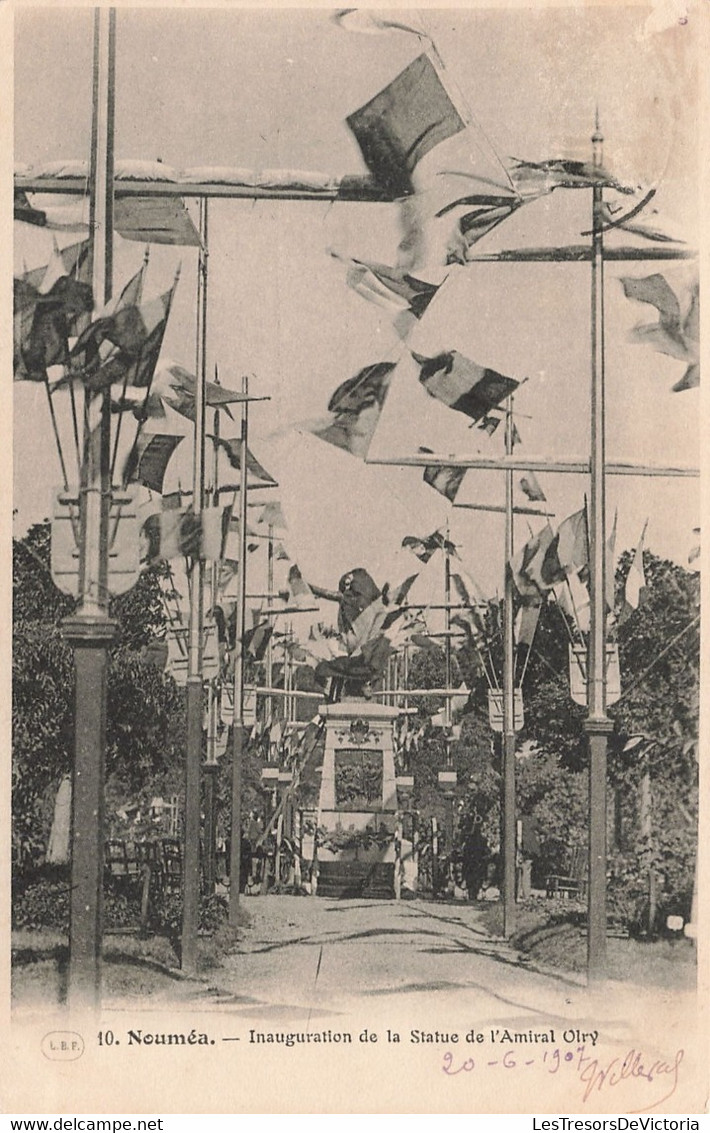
[594,1074]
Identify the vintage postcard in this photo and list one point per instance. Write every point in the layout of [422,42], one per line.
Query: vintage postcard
[356,568]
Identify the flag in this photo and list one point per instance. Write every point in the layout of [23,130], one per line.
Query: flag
[256,640]
[402,295]
[526,621]
[148,460]
[43,324]
[463,385]
[610,573]
[469,619]
[541,565]
[443,478]
[176,387]
[489,424]
[182,533]
[300,593]
[136,330]
[425,548]
[531,488]
[23,210]
[677,332]
[568,551]
[72,261]
[694,553]
[355,407]
[538,177]
[636,579]
[215,525]
[573,599]
[367,20]
[528,590]
[233,449]
[479,221]
[439,227]
[154,220]
[662,232]
[402,123]
[273,516]
[565,552]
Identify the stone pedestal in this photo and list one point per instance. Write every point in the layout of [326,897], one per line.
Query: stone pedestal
[358,801]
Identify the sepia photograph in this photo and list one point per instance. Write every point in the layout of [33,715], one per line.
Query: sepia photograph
[356,560]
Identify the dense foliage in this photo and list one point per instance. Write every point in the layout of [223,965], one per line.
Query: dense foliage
[145,713]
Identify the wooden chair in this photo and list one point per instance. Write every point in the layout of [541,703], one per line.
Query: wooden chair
[574,882]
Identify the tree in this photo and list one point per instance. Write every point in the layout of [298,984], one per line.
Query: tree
[145,711]
[659,649]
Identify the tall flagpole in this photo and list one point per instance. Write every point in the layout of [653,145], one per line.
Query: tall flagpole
[449,792]
[90,630]
[211,766]
[597,725]
[508,699]
[269,644]
[238,717]
[191,854]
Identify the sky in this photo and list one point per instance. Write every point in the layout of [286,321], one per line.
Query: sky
[271,89]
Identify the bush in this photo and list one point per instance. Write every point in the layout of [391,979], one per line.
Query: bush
[41,899]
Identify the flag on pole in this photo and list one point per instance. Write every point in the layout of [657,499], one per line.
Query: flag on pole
[526,621]
[148,460]
[182,533]
[72,261]
[402,295]
[273,516]
[300,593]
[635,585]
[531,488]
[677,332]
[489,424]
[463,385]
[402,123]
[518,566]
[610,570]
[538,177]
[215,526]
[136,330]
[569,549]
[469,618]
[256,640]
[43,325]
[542,566]
[231,446]
[443,478]
[425,548]
[660,231]
[356,406]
